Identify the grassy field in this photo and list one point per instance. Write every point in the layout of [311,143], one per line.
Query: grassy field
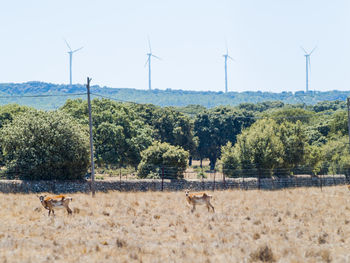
[296,225]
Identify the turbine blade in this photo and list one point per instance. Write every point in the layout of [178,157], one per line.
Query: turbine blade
[149,44]
[231,58]
[226,47]
[303,49]
[147,61]
[313,50]
[77,49]
[67,44]
[156,57]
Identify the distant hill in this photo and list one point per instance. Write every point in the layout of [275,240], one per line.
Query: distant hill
[48,96]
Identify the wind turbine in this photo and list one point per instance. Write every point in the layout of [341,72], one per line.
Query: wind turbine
[308,65]
[70,60]
[226,56]
[150,54]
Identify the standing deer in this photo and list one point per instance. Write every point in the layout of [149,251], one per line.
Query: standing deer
[59,201]
[199,199]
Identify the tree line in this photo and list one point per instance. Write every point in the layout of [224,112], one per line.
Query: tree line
[58,93]
[251,139]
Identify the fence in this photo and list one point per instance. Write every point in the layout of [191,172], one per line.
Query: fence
[19,186]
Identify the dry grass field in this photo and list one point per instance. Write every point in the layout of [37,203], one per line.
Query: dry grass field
[296,225]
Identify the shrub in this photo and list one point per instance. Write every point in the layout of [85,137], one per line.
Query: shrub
[230,160]
[263,254]
[41,145]
[258,149]
[163,155]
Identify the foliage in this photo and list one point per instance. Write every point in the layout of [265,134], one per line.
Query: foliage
[294,141]
[289,114]
[336,156]
[230,160]
[309,134]
[172,159]
[119,134]
[313,161]
[191,110]
[7,113]
[208,99]
[169,125]
[261,106]
[260,147]
[216,127]
[267,148]
[45,145]
[329,105]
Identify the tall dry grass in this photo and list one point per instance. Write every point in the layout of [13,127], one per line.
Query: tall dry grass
[298,225]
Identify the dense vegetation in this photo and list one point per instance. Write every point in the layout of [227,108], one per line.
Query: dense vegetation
[265,139]
[44,145]
[58,94]
[163,159]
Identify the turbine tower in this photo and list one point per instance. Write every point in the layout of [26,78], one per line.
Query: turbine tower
[226,56]
[150,54]
[70,52]
[308,65]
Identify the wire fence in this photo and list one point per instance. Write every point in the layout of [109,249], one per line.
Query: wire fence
[162,184]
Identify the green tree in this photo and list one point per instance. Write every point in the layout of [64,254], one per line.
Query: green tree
[258,148]
[172,127]
[7,113]
[173,159]
[313,160]
[290,114]
[294,141]
[329,105]
[45,145]
[230,160]
[335,155]
[216,127]
[339,123]
[119,133]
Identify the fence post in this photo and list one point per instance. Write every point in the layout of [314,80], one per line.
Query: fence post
[214,180]
[224,179]
[162,179]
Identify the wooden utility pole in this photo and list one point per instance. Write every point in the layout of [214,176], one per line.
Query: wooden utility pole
[91,141]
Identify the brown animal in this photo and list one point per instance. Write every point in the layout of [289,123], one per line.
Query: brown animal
[59,201]
[199,199]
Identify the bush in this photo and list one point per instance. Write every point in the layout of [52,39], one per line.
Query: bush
[258,149]
[163,155]
[41,145]
[230,161]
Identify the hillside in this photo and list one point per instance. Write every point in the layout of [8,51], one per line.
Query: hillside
[52,96]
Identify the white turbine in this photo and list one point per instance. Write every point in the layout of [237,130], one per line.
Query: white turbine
[226,56]
[70,52]
[150,54]
[308,65]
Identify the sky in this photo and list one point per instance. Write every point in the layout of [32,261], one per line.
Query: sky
[190,36]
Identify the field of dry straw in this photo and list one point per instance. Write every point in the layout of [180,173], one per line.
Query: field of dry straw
[296,225]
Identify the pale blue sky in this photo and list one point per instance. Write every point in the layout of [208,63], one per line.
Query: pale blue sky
[263,36]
